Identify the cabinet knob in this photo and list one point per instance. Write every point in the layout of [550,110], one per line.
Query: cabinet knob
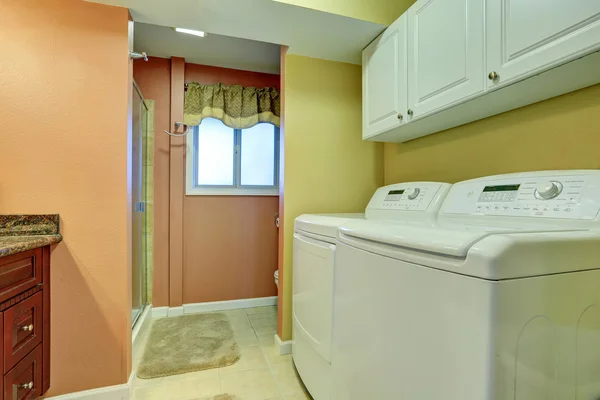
[27,328]
[26,386]
[410,112]
[400,116]
[493,75]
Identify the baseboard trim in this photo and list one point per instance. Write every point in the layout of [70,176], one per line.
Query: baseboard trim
[284,347]
[160,312]
[175,311]
[195,308]
[116,392]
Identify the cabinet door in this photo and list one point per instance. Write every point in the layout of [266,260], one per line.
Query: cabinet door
[445,53]
[384,80]
[527,37]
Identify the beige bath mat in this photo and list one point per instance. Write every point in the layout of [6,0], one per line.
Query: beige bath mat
[187,344]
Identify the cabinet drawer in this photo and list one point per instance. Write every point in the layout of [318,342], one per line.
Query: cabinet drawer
[20,272]
[24,381]
[22,329]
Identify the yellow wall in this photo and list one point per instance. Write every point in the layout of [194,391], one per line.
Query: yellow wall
[328,168]
[560,133]
[379,11]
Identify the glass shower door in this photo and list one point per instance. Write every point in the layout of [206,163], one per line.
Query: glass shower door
[138,199]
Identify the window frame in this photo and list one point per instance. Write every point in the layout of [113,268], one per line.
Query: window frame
[237,189]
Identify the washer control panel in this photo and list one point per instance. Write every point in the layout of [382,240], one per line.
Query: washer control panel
[411,196]
[553,194]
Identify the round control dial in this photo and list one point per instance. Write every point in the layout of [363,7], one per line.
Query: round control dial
[548,190]
[413,193]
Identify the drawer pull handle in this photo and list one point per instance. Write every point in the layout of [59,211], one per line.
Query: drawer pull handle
[26,385]
[27,328]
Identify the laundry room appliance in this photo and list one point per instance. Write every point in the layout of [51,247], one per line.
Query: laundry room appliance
[313,276]
[500,300]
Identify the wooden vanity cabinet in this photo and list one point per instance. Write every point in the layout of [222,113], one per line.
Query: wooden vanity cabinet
[25,324]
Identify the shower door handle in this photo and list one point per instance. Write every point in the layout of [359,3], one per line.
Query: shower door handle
[140,206]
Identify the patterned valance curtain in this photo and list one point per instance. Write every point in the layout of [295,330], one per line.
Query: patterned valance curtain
[237,106]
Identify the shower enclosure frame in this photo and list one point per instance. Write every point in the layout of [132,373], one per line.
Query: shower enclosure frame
[139,273]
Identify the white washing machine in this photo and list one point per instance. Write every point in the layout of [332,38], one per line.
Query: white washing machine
[314,257]
[501,300]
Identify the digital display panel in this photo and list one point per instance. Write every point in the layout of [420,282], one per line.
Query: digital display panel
[395,192]
[501,188]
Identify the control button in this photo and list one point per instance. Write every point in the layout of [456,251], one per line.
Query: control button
[556,209]
[548,190]
[568,209]
[506,207]
[413,193]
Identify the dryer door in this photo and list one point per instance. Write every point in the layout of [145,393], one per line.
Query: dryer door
[313,292]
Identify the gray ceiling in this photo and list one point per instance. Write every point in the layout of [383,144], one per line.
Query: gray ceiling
[215,50]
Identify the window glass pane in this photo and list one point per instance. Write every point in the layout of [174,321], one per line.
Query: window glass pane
[215,153]
[258,155]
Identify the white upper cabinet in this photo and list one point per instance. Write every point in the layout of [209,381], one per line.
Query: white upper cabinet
[384,80]
[445,53]
[525,37]
[445,63]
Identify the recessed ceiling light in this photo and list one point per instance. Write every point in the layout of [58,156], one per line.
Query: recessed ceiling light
[191,32]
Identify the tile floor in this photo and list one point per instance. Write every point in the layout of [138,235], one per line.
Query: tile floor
[260,374]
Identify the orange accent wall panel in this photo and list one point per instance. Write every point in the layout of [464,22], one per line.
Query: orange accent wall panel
[230,247]
[177,185]
[64,94]
[154,80]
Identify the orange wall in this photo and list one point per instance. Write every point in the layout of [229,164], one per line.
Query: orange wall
[64,92]
[229,247]
[211,224]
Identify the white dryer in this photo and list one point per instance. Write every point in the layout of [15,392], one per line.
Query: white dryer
[500,300]
[313,277]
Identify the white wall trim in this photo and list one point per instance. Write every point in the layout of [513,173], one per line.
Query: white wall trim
[195,308]
[284,347]
[175,311]
[160,312]
[116,392]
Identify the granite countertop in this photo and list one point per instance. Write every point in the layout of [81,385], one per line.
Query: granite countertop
[26,232]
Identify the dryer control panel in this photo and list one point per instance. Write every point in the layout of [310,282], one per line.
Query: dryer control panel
[410,196]
[548,194]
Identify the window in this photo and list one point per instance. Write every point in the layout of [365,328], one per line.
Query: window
[222,160]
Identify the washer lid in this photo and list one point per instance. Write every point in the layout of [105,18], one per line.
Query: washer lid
[324,224]
[448,240]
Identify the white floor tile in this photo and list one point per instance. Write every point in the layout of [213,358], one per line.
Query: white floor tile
[287,378]
[178,389]
[263,330]
[262,310]
[271,353]
[258,382]
[260,320]
[250,358]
